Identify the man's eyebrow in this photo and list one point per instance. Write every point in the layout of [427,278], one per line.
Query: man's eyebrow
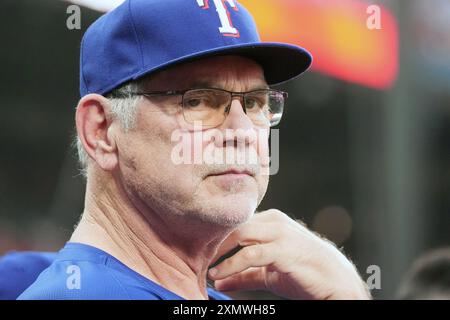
[210,84]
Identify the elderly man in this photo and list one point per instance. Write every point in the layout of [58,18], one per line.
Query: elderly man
[152,226]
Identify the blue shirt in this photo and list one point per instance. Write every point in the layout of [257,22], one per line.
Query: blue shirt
[84,272]
[18,270]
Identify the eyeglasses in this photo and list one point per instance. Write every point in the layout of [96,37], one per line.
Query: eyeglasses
[210,106]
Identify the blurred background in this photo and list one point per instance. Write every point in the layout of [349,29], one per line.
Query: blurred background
[365,139]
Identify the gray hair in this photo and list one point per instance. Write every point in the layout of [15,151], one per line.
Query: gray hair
[123,107]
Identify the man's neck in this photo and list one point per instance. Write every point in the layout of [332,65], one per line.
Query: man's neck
[147,244]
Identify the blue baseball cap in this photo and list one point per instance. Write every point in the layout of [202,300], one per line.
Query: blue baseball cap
[141,37]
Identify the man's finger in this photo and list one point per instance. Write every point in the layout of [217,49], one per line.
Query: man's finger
[250,279]
[252,256]
[249,233]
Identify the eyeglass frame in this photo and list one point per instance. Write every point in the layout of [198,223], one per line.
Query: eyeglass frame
[183,92]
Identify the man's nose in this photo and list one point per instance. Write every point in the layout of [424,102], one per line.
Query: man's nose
[236,117]
[238,127]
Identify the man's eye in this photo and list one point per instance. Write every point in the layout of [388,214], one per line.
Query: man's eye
[193,102]
[251,103]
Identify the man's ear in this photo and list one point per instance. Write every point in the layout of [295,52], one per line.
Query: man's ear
[94,130]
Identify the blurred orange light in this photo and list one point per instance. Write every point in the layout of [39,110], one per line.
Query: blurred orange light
[336,34]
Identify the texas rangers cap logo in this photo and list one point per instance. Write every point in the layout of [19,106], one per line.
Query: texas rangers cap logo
[227,29]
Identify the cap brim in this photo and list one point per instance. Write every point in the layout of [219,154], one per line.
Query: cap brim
[281,62]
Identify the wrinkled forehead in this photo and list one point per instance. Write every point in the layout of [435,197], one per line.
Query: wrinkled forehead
[228,72]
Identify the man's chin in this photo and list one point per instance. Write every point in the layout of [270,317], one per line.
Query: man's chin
[231,211]
[230,184]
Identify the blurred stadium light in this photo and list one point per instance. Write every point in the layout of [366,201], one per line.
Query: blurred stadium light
[337,35]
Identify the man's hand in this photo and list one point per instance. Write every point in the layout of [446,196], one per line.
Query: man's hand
[283,256]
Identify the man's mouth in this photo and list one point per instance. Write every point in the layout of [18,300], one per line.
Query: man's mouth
[233,172]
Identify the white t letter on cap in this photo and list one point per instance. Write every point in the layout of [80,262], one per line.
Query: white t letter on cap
[227,28]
